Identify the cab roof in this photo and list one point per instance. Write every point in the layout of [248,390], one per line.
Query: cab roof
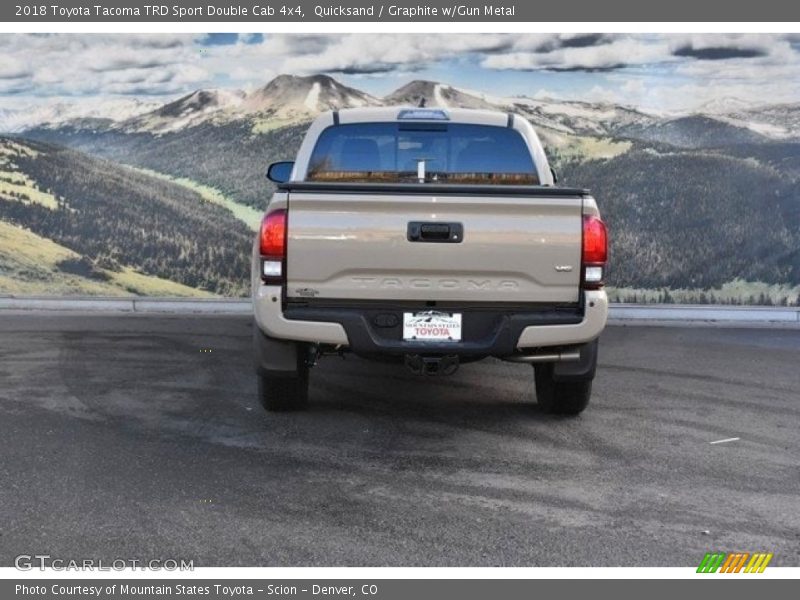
[427,114]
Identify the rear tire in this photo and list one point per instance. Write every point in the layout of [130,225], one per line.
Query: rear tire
[280,393]
[560,397]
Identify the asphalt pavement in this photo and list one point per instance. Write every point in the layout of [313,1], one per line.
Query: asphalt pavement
[141,437]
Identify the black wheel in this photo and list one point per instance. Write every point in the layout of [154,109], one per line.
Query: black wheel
[282,393]
[560,397]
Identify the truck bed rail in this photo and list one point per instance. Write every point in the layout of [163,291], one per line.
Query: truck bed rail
[431,188]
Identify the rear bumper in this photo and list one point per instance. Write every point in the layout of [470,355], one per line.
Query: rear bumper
[486,332]
[271,320]
[595,315]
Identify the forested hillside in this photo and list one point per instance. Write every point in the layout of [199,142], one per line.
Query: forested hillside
[695,219]
[229,157]
[115,218]
[679,217]
[695,131]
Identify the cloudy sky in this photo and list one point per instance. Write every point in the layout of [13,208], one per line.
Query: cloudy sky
[662,72]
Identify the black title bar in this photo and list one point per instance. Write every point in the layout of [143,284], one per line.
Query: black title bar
[267,11]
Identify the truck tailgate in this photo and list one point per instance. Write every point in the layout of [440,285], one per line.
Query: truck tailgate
[511,248]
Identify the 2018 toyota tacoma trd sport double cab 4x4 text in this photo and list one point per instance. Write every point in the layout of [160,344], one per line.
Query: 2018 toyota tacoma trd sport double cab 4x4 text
[430,237]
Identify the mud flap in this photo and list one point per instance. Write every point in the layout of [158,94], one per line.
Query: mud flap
[578,370]
[275,357]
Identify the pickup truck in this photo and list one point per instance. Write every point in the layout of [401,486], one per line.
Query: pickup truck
[428,237]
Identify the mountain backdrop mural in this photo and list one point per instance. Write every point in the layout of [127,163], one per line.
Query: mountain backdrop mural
[149,193]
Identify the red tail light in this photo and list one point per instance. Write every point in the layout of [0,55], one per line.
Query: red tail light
[273,234]
[273,246]
[595,251]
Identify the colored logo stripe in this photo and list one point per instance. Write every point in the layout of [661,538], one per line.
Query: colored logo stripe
[734,562]
[758,563]
[711,562]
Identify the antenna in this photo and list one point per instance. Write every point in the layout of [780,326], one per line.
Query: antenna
[421,102]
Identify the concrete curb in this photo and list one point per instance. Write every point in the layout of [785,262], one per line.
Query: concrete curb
[683,313]
[621,314]
[127,305]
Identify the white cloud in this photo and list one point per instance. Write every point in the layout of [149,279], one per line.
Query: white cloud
[13,67]
[633,87]
[97,64]
[610,54]
[353,53]
[633,68]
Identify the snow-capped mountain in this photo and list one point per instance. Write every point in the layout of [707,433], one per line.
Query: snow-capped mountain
[290,96]
[291,99]
[435,94]
[568,117]
[187,111]
[285,99]
[724,105]
[778,121]
[585,118]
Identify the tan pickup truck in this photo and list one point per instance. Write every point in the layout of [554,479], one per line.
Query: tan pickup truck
[431,237]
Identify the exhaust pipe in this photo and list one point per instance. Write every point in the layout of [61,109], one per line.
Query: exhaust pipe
[564,355]
[431,365]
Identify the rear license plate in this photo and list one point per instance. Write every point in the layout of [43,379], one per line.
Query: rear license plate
[432,326]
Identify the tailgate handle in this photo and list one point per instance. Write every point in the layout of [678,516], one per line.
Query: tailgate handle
[443,233]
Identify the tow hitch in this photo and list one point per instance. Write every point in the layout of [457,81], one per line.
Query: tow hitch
[431,365]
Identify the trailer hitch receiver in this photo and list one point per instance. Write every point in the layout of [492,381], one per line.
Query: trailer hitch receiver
[432,365]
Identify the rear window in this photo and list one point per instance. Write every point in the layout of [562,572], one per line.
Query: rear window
[413,152]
